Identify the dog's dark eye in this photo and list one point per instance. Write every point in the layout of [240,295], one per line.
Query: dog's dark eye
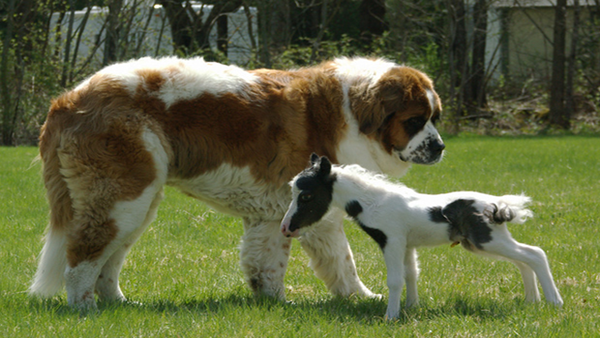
[305,197]
[435,118]
[414,124]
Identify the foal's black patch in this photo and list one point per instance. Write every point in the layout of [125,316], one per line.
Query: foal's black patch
[436,215]
[466,224]
[353,209]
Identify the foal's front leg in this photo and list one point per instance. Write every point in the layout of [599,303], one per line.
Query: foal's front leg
[412,273]
[394,253]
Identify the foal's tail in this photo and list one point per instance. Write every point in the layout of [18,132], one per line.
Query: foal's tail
[511,208]
[49,277]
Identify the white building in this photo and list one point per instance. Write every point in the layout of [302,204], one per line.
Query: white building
[149,32]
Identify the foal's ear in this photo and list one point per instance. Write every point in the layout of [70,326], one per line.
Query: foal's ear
[325,167]
[314,158]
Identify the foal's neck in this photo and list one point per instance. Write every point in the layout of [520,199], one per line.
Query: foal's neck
[353,187]
[368,189]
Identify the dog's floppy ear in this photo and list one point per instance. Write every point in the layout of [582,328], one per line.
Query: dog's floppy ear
[393,94]
[372,105]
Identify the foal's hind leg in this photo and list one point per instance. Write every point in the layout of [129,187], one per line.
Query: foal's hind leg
[532,294]
[533,257]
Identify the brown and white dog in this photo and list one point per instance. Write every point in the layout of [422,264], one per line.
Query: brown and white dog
[229,137]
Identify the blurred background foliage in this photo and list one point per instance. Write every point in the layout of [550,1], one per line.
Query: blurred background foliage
[494,62]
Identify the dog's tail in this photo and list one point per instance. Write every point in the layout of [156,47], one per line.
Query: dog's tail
[511,208]
[49,277]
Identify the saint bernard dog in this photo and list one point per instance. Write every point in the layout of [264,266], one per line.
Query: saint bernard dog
[229,137]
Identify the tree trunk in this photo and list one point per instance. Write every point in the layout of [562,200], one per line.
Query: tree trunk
[80,30]
[180,24]
[111,42]
[250,30]
[190,33]
[322,27]
[397,26]
[7,104]
[19,49]
[222,34]
[372,23]
[219,9]
[477,95]
[557,89]
[569,91]
[264,33]
[280,23]
[67,54]
[457,55]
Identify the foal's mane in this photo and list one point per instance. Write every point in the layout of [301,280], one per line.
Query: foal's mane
[368,179]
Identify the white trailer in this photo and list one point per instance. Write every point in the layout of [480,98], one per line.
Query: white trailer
[149,32]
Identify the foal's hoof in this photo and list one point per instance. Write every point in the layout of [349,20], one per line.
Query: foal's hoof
[391,317]
[368,294]
[376,296]
[557,302]
[132,303]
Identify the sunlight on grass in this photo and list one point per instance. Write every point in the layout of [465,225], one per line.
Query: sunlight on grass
[184,272]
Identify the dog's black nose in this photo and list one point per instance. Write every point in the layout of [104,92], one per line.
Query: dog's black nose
[437,146]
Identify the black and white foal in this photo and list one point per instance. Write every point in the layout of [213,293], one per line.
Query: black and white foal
[399,219]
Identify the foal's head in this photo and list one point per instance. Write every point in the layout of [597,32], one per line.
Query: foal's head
[312,192]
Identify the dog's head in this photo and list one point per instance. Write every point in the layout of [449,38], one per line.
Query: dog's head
[399,110]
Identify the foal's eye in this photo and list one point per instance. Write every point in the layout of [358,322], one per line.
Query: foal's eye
[306,197]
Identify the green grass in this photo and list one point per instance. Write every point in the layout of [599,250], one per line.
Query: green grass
[184,270]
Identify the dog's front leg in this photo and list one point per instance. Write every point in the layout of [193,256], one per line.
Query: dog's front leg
[331,257]
[394,253]
[264,257]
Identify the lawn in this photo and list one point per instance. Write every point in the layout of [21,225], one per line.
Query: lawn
[184,271]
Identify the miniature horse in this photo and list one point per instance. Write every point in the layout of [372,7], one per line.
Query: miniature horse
[399,219]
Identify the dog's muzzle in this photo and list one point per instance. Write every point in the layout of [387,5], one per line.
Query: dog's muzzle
[430,152]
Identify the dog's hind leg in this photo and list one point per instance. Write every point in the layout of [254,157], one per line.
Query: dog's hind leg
[107,285]
[114,180]
[331,257]
[132,218]
[97,247]
[412,273]
[533,257]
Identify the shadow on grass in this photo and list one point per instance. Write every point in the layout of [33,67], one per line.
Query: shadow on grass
[333,309]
